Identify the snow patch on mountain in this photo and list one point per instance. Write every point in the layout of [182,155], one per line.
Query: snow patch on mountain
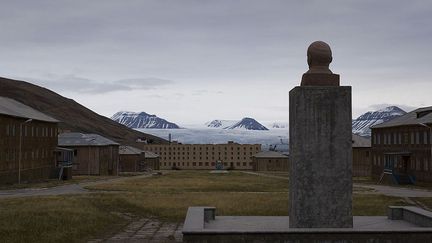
[220,123]
[142,120]
[248,124]
[361,125]
[244,124]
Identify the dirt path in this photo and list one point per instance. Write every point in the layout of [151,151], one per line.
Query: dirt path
[62,190]
[147,230]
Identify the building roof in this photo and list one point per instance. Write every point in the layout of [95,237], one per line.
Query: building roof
[150,155]
[128,150]
[270,154]
[419,116]
[81,139]
[124,149]
[14,108]
[360,142]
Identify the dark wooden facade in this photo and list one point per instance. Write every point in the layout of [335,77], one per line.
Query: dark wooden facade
[408,145]
[361,156]
[38,143]
[95,160]
[270,161]
[136,160]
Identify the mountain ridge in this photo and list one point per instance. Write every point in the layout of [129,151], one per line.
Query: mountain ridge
[142,120]
[72,115]
[361,125]
[245,123]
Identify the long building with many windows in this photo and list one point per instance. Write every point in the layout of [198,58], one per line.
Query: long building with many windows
[402,147]
[28,139]
[204,156]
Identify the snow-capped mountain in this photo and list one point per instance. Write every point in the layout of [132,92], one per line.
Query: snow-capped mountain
[248,124]
[244,124]
[220,123]
[277,125]
[142,120]
[361,125]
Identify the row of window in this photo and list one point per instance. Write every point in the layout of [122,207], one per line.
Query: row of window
[401,138]
[200,158]
[200,153]
[13,154]
[203,164]
[418,164]
[30,131]
[187,148]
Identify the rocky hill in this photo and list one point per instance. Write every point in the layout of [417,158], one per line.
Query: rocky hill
[142,120]
[73,116]
[361,125]
[244,124]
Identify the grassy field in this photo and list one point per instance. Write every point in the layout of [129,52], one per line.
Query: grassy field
[76,218]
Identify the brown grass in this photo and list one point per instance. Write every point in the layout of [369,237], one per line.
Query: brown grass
[81,217]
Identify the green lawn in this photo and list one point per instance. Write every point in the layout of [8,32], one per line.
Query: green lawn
[76,218]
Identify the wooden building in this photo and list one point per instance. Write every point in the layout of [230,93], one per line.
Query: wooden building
[204,156]
[270,161]
[28,139]
[402,147]
[136,160]
[93,154]
[361,156]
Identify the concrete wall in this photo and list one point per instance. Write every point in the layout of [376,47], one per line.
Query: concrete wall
[320,194]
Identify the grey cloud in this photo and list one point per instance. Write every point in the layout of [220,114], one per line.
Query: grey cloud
[72,83]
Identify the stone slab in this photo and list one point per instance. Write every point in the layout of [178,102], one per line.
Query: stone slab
[375,229]
[320,157]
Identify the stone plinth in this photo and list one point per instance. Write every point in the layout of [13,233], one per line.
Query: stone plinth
[320,192]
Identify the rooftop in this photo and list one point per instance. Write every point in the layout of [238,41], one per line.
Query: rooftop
[360,142]
[269,154]
[419,116]
[129,150]
[14,108]
[82,139]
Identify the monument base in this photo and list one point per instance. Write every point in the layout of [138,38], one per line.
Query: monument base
[202,225]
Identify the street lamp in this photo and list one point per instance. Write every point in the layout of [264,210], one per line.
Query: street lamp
[20,148]
[88,163]
[430,138]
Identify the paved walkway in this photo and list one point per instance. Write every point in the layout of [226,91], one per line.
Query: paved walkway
[396,191]
[379,189]
[147,230]
[62,190]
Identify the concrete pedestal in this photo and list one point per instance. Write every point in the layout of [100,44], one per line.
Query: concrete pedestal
[320,192]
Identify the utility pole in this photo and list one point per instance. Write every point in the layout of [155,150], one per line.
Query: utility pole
[20,148]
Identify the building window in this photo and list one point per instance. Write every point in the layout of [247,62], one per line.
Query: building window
[417,138]
[426,164]
[412,138]
[425,138]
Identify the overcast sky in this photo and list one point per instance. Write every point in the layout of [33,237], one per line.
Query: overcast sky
[191,61]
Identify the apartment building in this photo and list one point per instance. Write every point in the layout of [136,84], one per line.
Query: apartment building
[28,139]
[403,146]
[204,156]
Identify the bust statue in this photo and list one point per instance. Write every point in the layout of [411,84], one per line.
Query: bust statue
[319,57]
